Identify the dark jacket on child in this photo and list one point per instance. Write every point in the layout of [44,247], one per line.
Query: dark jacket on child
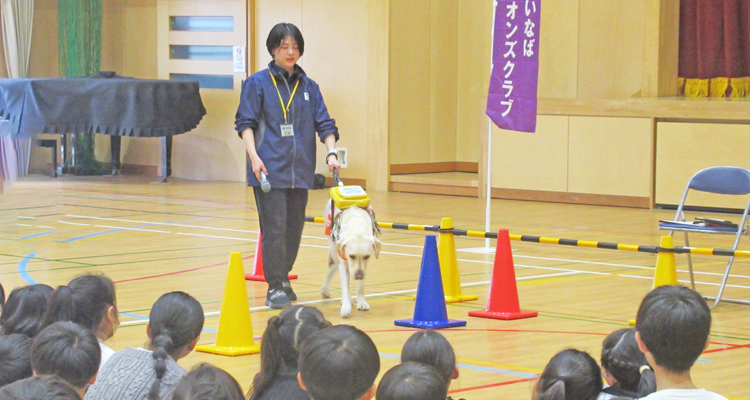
[285,386]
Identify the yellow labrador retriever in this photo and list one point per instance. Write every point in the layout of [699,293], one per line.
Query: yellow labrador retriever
[352,243]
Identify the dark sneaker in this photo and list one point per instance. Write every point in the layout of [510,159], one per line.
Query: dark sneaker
[288,290]
[276,298]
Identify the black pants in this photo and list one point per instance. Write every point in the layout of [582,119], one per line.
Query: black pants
[282,217]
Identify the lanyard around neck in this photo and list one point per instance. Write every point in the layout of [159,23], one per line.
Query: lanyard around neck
[284,109]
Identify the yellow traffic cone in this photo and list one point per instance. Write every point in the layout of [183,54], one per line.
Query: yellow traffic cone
[235,336]
[449,265]
[666,271]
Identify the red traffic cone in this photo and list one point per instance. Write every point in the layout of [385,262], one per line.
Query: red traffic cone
[258,274]
[502,302]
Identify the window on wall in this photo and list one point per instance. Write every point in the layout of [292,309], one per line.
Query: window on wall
[188,52]
[204,24]
[206,81]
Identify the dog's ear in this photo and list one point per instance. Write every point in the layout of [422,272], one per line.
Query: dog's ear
[376,246]
[341,245]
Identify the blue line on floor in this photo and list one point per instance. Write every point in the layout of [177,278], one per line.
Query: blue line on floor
[500,371]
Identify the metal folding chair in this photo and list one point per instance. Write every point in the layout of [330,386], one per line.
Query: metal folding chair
[718,180]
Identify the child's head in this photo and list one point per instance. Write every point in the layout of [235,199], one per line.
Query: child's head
[15,358]
[412,381]
[431,348]
[338,363]
[25,309]
[89,301]
[625,366]
[570,375]
[42,387]
[69,351]
[206,382]
[672,327]
[281,342]
[175,325]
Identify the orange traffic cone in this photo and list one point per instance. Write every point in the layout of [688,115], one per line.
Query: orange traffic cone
[502,302]
[259,274]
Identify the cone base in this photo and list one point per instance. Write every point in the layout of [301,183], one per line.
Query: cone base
[507,316]
[262,278]
[411,323]
[229,351]
[460,298]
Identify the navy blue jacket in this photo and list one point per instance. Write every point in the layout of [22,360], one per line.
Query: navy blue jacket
[290,160]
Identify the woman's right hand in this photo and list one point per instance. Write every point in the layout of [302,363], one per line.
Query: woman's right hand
[258,166]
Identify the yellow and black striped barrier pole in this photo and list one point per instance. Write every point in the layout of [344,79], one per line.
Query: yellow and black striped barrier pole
[563,242]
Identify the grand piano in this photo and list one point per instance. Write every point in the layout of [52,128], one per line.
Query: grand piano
[104,103]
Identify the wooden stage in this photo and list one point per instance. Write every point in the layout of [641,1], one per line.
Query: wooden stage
[153,238]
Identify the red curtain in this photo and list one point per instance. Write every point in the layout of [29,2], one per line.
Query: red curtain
[714,39]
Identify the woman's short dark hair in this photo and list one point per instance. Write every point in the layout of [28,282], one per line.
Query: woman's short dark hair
[674,323]
[338,363]
[25,309]
[84,301]
[15,358]
[281,342]
[622,358]
[412,381]
[431,348]
[67,350]
[206,382]
[280,32]
[176,319]
[42,387]
[570,375]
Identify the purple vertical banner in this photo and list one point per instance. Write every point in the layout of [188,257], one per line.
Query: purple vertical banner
[511,102]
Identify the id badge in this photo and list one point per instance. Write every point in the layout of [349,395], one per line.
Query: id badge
[287,130]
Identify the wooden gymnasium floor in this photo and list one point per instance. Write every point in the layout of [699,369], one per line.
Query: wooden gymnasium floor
[154,238]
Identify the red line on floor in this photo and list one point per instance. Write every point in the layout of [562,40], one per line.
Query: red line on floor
[491,330]
[178,272]
[491,385]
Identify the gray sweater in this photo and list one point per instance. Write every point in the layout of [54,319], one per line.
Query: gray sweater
[129,374]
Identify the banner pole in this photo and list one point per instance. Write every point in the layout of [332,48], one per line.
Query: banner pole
[488,207]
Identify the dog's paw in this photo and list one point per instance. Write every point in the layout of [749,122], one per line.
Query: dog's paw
[362,305]
[325,293]
[346,310]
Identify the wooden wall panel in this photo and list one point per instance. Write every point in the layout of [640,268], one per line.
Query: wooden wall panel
[610,48]
[682,149]
[409,86]
[558,49]
[610,156]
[532,161]
[443,79]
[378,169]
[473,71]
[267,14]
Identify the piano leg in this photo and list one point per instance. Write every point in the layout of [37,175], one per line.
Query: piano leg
[166,157]
[115,145]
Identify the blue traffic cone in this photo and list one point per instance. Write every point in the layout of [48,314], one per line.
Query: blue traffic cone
[429,309]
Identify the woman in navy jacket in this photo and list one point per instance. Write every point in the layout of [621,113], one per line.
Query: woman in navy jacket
[280,112]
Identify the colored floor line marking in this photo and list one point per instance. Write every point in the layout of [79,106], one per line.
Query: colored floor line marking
[464,366]
[22,269]
[123,229]
[145,319]
[178,272]
[38,234]
[492,385]
[535,370]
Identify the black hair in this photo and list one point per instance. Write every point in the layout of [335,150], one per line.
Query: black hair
[176,319]
[280,32]
[25,310]
[42,387]
[206,382]
[431,348]
[84,301]
[281,341]
[412,381]
[67,350]
[15,358]
[570,375]
[2,296]
[674,323]
[338,363]
[622,358]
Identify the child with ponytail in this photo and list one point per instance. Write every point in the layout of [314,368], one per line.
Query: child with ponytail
[625,367]
[279,351]
[570,375]
[174,327]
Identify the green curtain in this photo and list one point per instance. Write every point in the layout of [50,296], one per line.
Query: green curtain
[80,51]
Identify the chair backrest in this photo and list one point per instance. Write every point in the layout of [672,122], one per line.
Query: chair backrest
[721,180]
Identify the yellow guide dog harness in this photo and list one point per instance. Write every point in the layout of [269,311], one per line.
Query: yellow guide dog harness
[344,197]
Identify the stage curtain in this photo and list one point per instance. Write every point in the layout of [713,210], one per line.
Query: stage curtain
[80,51]
[714,53]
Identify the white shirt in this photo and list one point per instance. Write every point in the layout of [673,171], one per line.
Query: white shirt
[106,353]
[680,394]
